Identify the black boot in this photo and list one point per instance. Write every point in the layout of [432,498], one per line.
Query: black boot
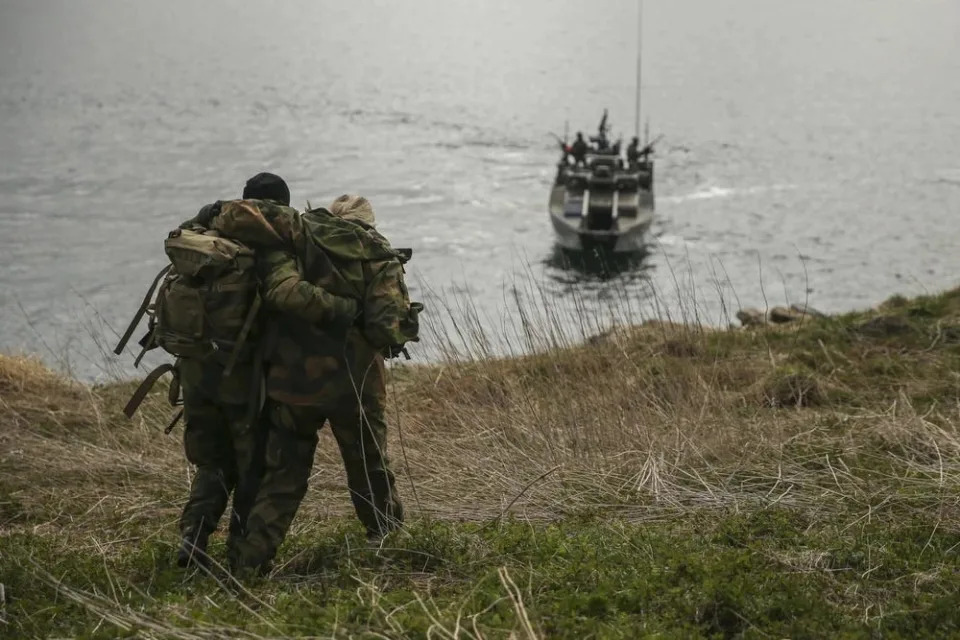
[193,550]
[245,565]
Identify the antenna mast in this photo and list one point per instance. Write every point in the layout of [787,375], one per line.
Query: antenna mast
[636,128]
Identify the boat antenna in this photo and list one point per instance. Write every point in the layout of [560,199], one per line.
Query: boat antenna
[636,129]
[566,131]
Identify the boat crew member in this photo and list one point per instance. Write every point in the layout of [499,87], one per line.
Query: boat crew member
[633,151]
[579,150]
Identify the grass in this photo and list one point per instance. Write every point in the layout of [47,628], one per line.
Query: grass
[660,480]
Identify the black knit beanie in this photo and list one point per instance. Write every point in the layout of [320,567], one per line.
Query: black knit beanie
[267,186]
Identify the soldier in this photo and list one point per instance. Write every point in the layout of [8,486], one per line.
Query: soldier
[615,151]
[633,151]
[579,150]
[316,374]
[223,435]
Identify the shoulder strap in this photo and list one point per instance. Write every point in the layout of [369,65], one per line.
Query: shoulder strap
[143,309]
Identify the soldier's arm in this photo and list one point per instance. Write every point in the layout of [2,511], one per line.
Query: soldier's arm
[284,289]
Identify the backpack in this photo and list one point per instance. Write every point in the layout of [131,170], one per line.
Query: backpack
[205,305]
[390,320]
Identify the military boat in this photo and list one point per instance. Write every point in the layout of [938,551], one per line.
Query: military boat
[602,202]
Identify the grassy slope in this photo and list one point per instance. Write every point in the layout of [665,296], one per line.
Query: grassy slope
[662,480]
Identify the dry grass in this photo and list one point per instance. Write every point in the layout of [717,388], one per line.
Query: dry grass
[837,421]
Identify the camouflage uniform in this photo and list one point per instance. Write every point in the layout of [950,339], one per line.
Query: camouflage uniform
[223,443]
[318,373]
[219,438]
[224,436]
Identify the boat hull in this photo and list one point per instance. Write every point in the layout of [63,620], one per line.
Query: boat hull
[632,240]
[625,234]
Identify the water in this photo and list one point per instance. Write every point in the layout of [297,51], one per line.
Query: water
[810,149]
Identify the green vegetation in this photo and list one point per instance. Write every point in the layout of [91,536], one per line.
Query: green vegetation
[657,481]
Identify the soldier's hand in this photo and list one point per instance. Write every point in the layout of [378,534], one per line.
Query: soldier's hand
[344,314]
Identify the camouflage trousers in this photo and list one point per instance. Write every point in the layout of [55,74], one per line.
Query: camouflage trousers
[226,450]
[291,443]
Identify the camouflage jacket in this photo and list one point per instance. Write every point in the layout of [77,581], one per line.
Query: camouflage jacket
[286,293]
[329,365]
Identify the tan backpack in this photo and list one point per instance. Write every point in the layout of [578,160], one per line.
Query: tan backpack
[205,306]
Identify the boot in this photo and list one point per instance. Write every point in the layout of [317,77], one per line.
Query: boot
[193,550]
[244,561]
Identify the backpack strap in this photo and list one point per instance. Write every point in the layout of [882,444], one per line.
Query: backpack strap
[138,396]
[148,344]
[257,391]
[142,310]
[173,393]
[173,422]
[242,337]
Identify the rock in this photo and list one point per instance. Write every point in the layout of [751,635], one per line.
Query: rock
[751,317]
[782,315]
[807,310]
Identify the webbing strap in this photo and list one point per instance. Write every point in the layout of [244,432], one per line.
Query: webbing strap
[146,347]
[173,422]
[257,390]
[137,398]
[143,309]
[173,393]
[242,337]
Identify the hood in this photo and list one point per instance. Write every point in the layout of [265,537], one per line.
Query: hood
[355,209]
[345,239]
[261,223]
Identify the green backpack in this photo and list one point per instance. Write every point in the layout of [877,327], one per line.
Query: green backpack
[390,326]
[390,319]
[205,306]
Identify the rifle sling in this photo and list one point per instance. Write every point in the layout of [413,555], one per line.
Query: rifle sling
[143,309]
[138,396]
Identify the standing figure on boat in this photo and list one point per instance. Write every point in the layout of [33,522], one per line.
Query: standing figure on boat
[633,151]
[579,150]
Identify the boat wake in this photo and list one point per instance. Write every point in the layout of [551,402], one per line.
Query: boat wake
[712,193]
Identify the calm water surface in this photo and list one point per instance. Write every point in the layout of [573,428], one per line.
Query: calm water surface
[810,150]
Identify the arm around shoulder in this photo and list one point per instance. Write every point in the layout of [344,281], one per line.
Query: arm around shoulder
[283,288]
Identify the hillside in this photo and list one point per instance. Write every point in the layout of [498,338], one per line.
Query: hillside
[662,481]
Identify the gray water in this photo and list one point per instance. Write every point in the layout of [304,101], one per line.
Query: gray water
[810,149]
